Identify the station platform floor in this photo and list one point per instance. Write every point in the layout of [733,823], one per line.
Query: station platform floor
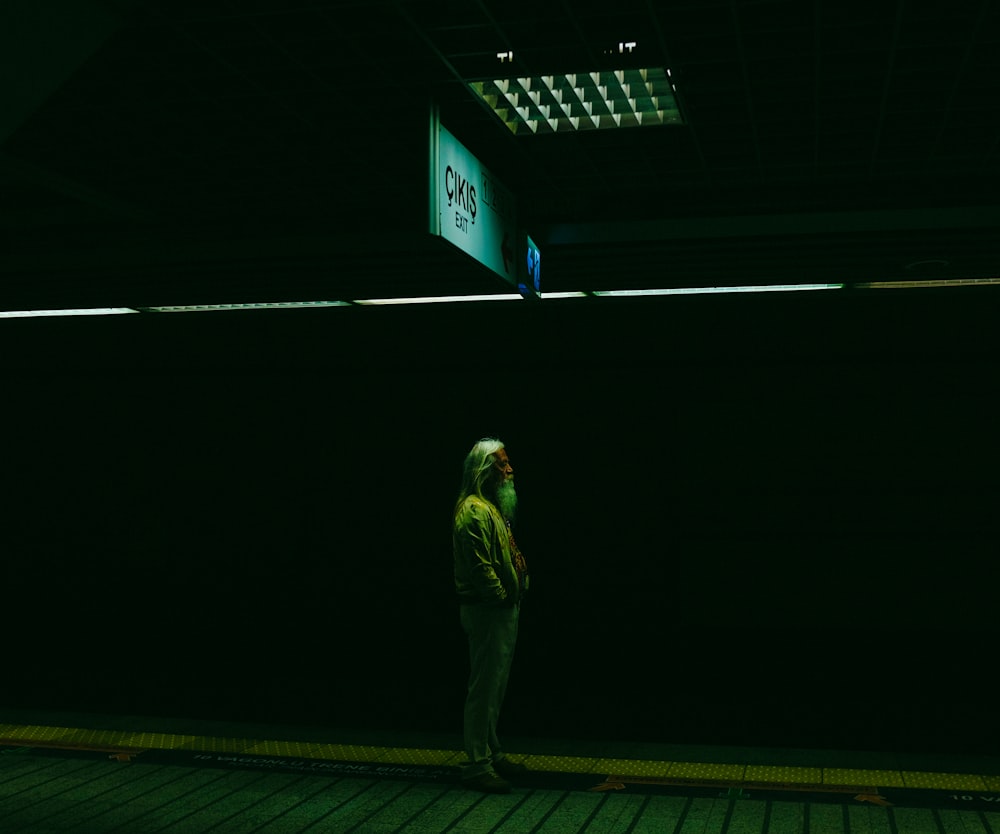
[95,774]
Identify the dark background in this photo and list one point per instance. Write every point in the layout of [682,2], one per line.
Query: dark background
[757,519]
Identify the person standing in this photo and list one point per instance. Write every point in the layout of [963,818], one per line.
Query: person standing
[491,578]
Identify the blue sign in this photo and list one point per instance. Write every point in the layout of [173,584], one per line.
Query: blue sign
[530,279]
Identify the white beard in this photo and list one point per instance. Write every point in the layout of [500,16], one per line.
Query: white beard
[507,500]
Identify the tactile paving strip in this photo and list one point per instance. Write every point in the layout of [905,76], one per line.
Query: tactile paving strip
[944,781]
[347,752]
[560,764]
[81,738]
[54,736]
[294,749]
[846,776]
[408,755]
[707,771]
[632,767]
[30,733]
[216,744]
[784,775]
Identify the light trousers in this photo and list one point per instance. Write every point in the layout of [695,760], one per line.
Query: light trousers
[492,634]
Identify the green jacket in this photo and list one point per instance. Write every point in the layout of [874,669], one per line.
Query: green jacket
[484,563]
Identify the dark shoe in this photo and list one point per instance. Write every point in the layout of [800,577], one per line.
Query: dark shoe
[488,782]
[510,770]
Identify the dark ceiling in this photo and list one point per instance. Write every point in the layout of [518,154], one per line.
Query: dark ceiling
[220,151]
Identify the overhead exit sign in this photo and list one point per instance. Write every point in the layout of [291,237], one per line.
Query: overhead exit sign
[470,208]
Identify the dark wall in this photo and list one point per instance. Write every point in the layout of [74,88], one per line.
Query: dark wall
[758,519]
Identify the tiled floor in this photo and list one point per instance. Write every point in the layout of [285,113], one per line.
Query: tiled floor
[95,774]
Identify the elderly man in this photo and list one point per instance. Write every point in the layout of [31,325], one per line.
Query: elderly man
[491,578]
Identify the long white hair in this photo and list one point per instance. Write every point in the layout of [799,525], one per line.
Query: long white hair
[478,469]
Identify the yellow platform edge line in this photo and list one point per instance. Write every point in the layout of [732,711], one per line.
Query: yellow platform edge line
[28,735]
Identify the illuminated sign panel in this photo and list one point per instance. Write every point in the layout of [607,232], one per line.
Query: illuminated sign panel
[470,208]
[530,279]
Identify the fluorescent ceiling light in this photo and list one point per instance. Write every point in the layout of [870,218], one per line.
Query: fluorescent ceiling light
[91,311]
[582,101]
[940,282]
[259,305]
[441,299]
[706,290]
[448,299]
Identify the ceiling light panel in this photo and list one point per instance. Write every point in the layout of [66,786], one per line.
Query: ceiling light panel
[581,101]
